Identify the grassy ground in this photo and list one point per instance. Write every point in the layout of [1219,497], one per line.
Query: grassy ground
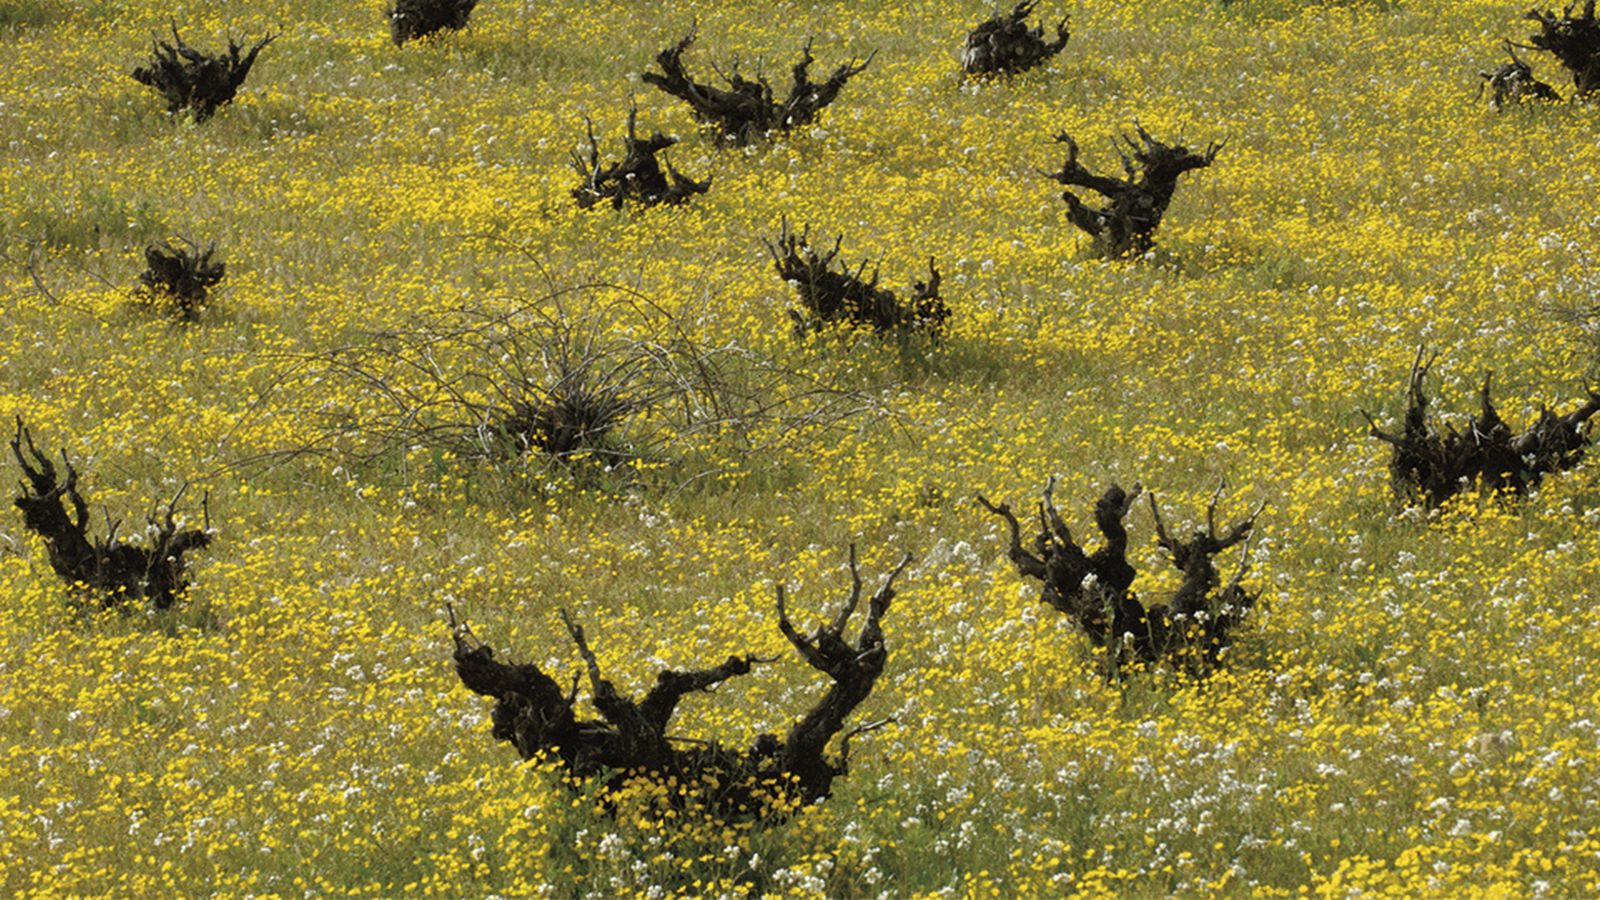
[1415,711]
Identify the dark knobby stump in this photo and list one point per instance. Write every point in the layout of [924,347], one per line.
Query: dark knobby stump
[180,278]
[412,19]
[631,739]
[829,296]
[1190,631]
[1006,45]
[643,176]
[1574,40]
[1125,225]
[1513,82]
[745,108]
[1431,466]
[192,80]
[116,571]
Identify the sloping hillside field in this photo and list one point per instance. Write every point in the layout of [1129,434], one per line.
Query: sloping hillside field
[443,365]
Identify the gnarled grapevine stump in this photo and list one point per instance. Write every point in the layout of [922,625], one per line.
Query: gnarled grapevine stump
[744,108]
[1190,631]
[116,571]
[643,176]
[192,80]
[1006,45]
[1431,465]
[1126,224]
[631,739]
[829,296]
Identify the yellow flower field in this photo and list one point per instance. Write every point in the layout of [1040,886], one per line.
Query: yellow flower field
[1415,709]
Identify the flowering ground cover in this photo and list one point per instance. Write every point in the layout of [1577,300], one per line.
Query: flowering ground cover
[1412,707]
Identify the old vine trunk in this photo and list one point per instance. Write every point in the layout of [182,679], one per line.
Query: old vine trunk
[631,739]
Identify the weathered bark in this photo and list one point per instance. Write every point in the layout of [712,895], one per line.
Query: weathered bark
[747,109]
[1431,466]
[180,277]
[1575,41]
[1006,45]
[117,571]
[1513,82]
[641,177]
[412,19]
[828,297]
[192,80]
[1190,631]
[631,737]
[1200,617]
[1126,224]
